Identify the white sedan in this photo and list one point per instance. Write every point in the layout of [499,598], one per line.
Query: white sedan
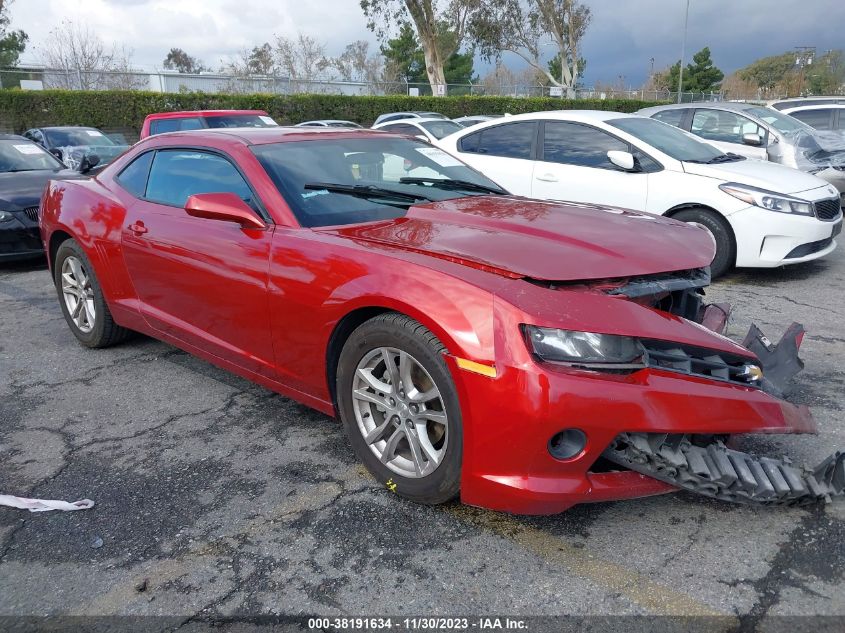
[760,214]
[427,129]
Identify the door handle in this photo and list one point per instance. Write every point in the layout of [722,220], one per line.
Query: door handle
[548,178]
[138,228]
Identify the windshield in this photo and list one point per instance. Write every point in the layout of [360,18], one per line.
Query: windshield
[379,163]
[783,123]
[25,156]
[240,120]
[439,129]
[667,138]
[74,137]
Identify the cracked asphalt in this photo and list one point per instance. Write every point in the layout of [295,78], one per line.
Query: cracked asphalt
[217,498]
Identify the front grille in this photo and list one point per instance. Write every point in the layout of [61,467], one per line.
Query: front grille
[31,213]
[828,209]
[697,362]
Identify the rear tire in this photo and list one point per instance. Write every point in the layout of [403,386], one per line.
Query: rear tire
[81,298]
[725,258]
[404,422]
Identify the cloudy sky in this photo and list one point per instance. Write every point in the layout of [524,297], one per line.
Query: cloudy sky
[623,37]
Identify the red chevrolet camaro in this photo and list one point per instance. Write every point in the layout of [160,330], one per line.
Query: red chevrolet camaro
[526,355]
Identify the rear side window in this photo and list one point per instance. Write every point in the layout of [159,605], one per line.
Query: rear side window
[176,175]
[672,117]
[819,119]
[575,144]
[160,126]
[133,178]
[402,128]
[510,140]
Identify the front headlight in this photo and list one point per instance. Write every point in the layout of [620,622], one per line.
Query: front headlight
[584,348]
[5,216]
[768,199]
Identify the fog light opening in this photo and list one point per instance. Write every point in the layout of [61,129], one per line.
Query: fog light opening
[567,444]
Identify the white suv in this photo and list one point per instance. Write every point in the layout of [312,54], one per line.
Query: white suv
[760,214]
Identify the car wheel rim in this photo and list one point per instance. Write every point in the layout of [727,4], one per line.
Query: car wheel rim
[400,412]
[78,294]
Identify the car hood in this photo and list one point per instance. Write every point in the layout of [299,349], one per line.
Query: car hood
[757,173]
[550,241]
[24,188]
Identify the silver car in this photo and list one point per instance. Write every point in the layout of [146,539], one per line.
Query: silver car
[755,131]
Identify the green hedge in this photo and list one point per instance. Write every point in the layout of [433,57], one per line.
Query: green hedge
[20,110]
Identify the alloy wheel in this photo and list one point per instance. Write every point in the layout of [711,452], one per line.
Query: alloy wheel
[400,412]
[78,294]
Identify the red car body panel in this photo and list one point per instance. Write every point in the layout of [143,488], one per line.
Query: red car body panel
[184,114]
[266,303]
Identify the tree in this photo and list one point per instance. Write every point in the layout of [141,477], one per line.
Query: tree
[83,61]
[12,43]
[440,27]
[405,59]
[699,76]
[357,64]
[260,60]
[555,67]
[827,74]
[767,72]
[521,26]
[180,61]
[300,57]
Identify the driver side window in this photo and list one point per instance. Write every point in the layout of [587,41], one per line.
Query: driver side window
[725,127]
[176,175]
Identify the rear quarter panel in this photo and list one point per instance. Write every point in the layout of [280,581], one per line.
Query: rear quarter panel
[92,215]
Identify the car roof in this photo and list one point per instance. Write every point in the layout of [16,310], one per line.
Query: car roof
[579,116]
[811,106]
[188,113]
[415,121]
[732,106]
[261,135]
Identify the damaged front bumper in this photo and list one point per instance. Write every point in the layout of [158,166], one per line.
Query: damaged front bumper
[706,465]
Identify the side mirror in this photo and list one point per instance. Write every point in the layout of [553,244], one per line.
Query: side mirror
[88,162]
[623,160]
[226,207]
[752,139]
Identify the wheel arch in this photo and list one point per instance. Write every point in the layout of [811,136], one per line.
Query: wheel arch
[57,237]
[671,213]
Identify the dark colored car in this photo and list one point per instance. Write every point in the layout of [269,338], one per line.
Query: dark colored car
[527,355]
[162,122]
[25,170]
[75,145]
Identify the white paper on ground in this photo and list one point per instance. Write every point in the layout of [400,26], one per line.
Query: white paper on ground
[44,505]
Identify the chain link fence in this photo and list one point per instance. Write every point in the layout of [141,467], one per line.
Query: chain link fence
[171,82]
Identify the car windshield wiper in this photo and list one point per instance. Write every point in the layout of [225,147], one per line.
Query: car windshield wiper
[366,191]
[721,158]
[453,184]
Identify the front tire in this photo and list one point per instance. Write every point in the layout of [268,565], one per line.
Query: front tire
[400,408]
[81,298]
[725,246]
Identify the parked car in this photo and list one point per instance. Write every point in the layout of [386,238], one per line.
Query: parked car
[395,116]
[762,133]
[783,104]
[161,122]
[25,169]
[468,121]
[329,123]
[427,129]
[471,342]
[760,214]
[72,144]
[819,117]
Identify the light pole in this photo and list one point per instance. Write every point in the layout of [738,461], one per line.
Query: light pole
[683,54]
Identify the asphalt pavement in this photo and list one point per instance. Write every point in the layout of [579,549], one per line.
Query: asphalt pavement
[216,498]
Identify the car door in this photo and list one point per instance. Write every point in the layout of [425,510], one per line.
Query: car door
[574,166]
[726,130]
[504,153]
[203,281]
